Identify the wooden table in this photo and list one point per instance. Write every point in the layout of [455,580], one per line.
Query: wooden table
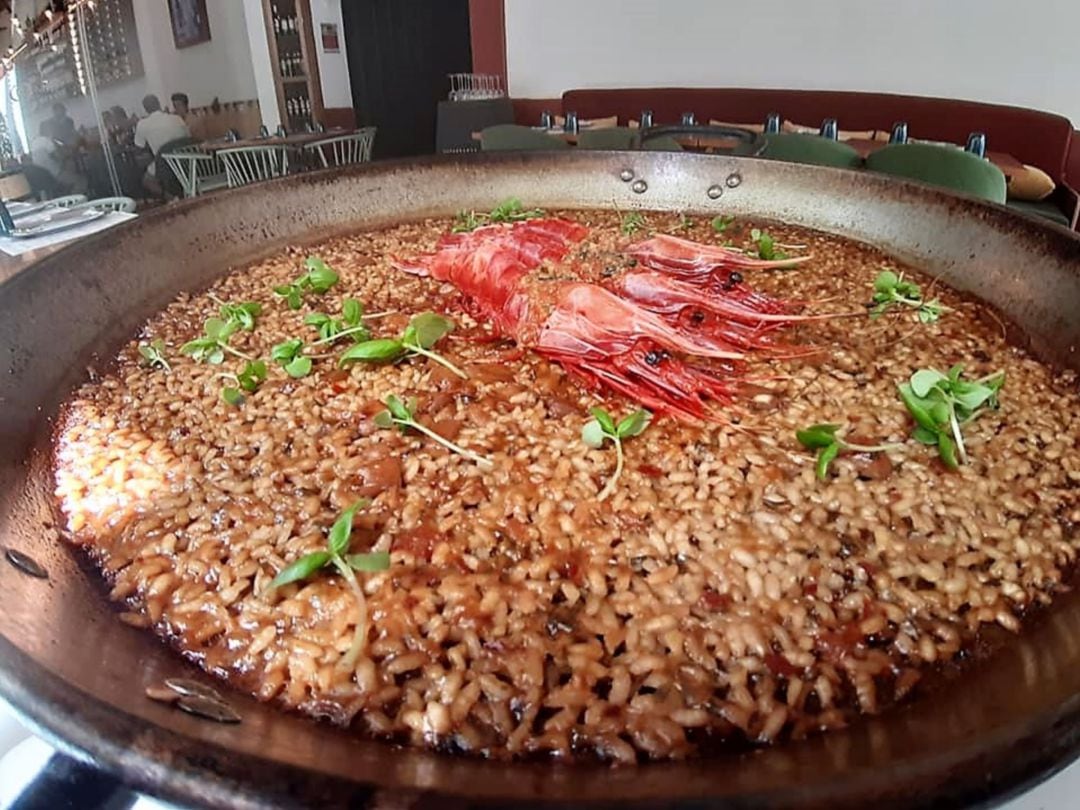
[296,139]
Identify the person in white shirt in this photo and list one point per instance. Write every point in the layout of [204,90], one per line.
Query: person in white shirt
[153,132]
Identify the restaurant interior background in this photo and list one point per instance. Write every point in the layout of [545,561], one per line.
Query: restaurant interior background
[292,65]
[252,68]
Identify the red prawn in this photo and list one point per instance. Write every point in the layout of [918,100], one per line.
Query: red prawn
[632,336]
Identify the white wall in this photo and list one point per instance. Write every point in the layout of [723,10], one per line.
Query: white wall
[262,68]
[333,67]
[1003,51]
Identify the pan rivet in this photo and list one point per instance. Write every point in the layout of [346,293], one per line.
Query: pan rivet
[734,180]
[626,175]
[639,187]
[25,563]
[714,192]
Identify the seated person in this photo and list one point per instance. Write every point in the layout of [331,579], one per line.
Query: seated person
[119,125]
[153,132]
[181,105]
[61,126]
[49,171]
[44,150]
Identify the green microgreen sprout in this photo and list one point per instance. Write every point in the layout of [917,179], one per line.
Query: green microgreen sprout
[941,404]
[319,278]
[825,439]
[685,223]
[510,210]
[722,223]
[153,354]
[765,246]
[336,555]
[401,414]
[248,379]
[243,314]
[423,332]
[289,354]
[214,344]
[603,427]
[349,325]
[891,289]
[632,223]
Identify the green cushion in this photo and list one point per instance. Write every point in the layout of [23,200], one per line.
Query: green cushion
[946,166]
[664,143]
[514,138]
[607,138]
[806,148]
[1044,209]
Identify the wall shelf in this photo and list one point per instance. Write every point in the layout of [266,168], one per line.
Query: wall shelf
[294,62]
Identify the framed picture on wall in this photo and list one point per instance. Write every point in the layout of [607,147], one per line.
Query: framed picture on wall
[190,24]
[330,41]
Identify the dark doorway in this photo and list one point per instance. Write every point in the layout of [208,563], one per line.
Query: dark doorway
[400,52]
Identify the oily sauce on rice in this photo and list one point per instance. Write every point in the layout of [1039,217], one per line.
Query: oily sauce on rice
[722,593]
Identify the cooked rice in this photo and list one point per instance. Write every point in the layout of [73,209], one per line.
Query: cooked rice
[722,593]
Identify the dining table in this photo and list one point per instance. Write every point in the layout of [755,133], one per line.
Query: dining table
[296,139]
[18,253]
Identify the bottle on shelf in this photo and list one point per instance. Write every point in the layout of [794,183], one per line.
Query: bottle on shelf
[277,21]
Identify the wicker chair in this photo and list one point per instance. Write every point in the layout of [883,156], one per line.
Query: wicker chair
[251,164]
[341,150]
[196,171]
[68,201]
[124,205]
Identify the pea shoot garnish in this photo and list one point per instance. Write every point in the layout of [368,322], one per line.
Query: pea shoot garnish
[249,379]
[632,223]
[319,278]
[825,439]
[941,404]
[765,246]
[400,414]
[423,332]
[243,314]
[892,290]
[336,555]
[507,211]
[289,354]
[349,325]
[153,354]
[721,223]
[214,344]
[603,427]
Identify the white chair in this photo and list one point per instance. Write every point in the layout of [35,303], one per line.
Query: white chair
[123,204]
[250,164]
[68,201]
[342,150]
[196,171]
